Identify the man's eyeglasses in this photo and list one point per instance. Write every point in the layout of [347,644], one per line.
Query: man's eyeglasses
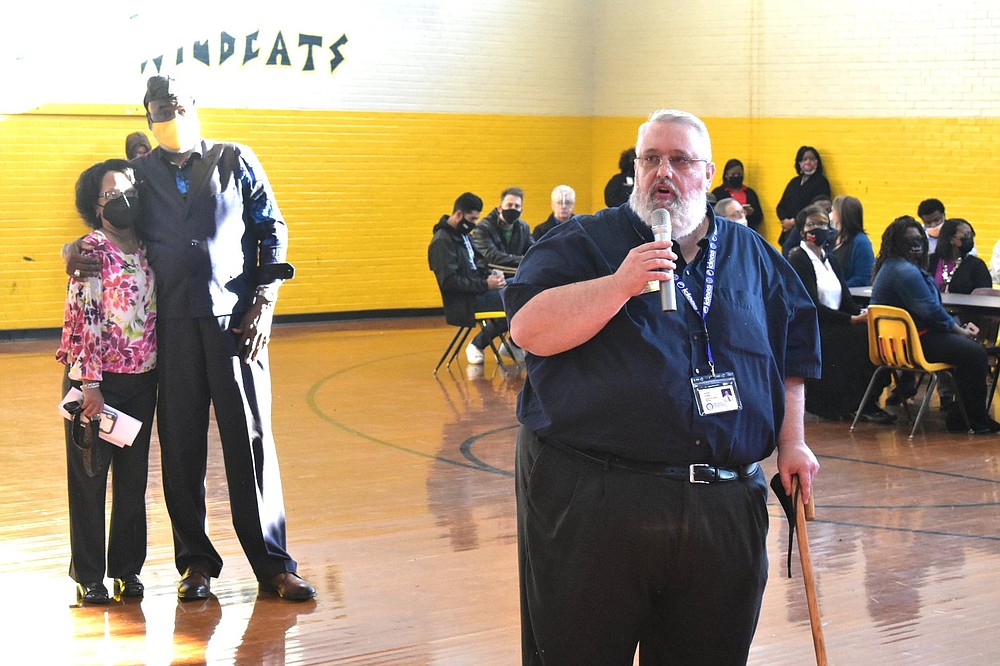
[111,195]
[677,163]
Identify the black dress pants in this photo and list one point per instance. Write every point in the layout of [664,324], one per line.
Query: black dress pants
[136,396]
[611,559]
[200,367]
[971,367]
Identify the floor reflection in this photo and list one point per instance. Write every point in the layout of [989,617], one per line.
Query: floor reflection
[400,500]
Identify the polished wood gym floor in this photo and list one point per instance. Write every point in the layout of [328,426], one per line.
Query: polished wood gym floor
[399,493]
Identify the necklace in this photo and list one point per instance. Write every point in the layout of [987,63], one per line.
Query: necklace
[948,273]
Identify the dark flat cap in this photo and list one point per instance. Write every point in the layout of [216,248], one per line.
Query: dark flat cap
[162,87]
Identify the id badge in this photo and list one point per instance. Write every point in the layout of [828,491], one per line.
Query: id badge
[715,395]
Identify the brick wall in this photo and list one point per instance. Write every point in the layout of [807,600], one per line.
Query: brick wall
[440,97]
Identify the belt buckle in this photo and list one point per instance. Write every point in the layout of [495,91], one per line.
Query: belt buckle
[692,469]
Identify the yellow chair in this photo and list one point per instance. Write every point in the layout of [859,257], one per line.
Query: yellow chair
[464,329]
[894,346]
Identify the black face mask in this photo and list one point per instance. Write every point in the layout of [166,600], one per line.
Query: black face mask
[818,236]
[465,226]
[735,182]
[122,213]
[510,216]
[967,245]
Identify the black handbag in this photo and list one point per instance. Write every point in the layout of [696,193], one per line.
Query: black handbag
[94,451]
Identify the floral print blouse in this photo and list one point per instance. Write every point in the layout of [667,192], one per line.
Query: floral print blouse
[110,322]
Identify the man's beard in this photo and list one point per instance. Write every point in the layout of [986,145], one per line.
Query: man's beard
[686,212]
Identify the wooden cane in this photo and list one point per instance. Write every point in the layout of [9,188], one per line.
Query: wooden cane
[805,513]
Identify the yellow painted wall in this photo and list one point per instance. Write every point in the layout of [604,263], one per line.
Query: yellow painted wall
[890,164]
[361,191]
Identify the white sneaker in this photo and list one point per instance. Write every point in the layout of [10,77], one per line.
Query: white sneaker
[474,354]
[512,352]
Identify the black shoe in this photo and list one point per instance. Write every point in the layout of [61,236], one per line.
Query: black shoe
[92,593]
[129,586]
[984,426]
[288,586]
[876,415]
[196,584]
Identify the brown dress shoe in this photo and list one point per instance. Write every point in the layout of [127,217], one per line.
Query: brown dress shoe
[195,584]
[289,586]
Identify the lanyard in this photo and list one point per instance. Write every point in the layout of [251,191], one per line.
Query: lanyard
[713,252]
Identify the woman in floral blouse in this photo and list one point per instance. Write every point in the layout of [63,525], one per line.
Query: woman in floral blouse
[109,347]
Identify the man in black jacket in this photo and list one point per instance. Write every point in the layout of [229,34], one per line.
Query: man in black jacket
[503,237]
[466,284]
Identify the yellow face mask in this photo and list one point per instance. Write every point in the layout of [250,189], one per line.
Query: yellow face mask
[179,134]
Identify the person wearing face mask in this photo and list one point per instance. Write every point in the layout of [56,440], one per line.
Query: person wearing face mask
[502,237]
[466,284]
[108,346]
[802,189]
[732,187]
[955,269]
[901,281]
[931,213]
[218,242]
[136,144]
[843,330]
[731,209]
[563,203]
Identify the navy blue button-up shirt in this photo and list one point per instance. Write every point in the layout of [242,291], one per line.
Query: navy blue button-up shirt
[627,390]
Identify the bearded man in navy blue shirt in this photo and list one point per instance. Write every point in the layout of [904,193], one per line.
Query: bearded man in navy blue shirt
[642,515]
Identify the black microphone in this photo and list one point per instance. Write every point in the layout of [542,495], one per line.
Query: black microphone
[661,232]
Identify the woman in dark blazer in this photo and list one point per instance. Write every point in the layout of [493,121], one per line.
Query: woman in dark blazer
[843,330]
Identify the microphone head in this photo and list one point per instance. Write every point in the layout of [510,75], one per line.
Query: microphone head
[661,224]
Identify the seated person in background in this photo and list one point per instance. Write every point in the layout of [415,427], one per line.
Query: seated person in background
[801,190]
[852,248]
[901,281]
[954,268]
[619,187]
[931,213]
[995,263]
[502,237]
[733,188]
[794,235]
[956,271]
[843,331]
[467,286]
[731,209]
[136,145]
[563,203]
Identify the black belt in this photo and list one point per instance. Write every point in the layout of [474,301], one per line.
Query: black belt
[692,473]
